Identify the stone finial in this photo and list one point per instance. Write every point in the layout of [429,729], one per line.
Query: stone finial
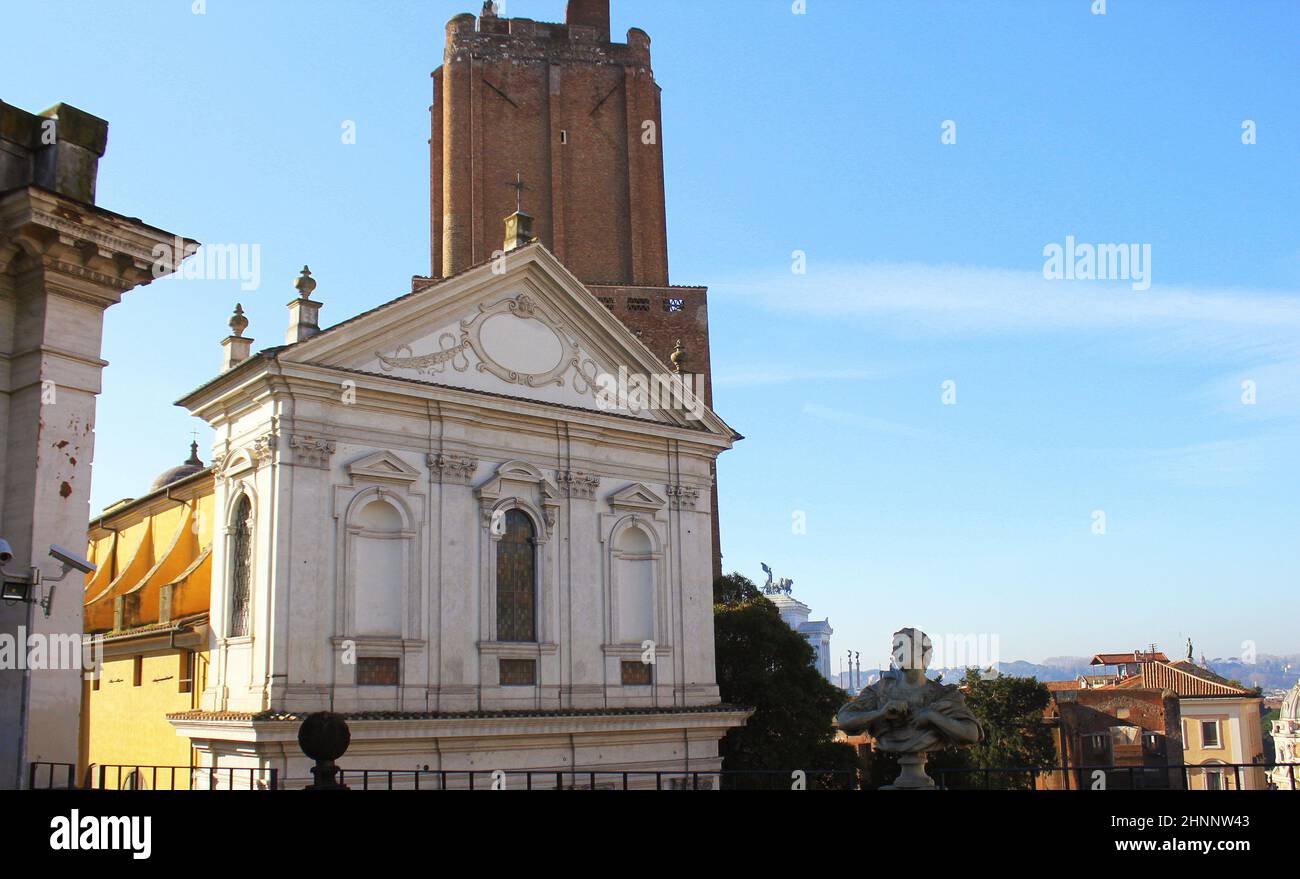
[236,348]
[305,283]
[489,9]
[678,357]
[194,455]
[238,323]
[304,312]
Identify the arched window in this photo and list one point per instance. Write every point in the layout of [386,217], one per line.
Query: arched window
[240,567]
[517,579]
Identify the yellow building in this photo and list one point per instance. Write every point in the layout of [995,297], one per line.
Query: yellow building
[146,609]
[1220,725]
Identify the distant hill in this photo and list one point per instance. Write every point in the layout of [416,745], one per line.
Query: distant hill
[1268,672]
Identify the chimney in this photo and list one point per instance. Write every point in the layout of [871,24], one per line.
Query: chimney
[589,13]
[519,230]
[304,313]
[236,348]
[58,150]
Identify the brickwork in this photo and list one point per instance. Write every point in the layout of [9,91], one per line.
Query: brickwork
[1078,714]
[578,117]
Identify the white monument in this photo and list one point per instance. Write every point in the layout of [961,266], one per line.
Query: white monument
[795,613]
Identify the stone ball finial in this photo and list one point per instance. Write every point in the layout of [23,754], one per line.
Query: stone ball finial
[305,283]
[324,736]
[238,323]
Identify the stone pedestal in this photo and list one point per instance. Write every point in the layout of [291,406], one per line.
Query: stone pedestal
[912,775]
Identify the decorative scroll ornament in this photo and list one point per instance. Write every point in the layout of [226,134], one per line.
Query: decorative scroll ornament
[428,364]
[525,308]
[586,376]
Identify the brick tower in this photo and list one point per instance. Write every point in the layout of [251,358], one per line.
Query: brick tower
[576,117]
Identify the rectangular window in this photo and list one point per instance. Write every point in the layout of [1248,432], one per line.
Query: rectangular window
[518,672]
[1210,734]
[673,306]
[636,303]
[378,671]
[1214,780]
[185,674]
[607,301]
[637,673]
[94,682]
[137,673]
[564,137]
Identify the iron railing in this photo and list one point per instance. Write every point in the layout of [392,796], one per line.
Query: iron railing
[135,776]
[1174,776]
[1222,776]
[600,779]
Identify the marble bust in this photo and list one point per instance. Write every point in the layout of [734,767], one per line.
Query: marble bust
[908,714]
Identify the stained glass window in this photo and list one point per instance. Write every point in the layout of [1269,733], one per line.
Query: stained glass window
[517,580]
[241,546]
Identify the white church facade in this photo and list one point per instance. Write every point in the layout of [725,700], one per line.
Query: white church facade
[439,521]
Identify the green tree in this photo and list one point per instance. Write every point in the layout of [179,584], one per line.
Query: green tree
[1015,735]
[764,664]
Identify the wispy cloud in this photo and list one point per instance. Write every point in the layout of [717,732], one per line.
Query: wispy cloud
[971,300]
[1224,463]
[862,422]
[1260,392]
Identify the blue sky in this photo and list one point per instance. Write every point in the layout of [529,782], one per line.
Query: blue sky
[817,133]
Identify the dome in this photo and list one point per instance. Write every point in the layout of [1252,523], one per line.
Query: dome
[179,472]
[1291,704]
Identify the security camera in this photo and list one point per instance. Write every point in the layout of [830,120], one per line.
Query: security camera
[71,559]
[6,551]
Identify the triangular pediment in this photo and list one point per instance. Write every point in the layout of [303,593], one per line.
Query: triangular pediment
[524,327]
[637,496]
[385,466]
